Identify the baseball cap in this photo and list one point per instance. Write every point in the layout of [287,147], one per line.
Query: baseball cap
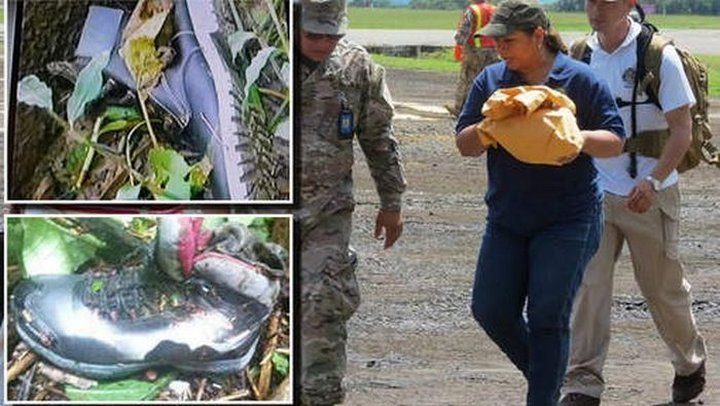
[514,15]
[325,16]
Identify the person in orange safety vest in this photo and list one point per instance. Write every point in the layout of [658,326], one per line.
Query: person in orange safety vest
[473,50]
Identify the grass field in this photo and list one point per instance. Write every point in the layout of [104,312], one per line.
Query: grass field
[407,19]
[443,61]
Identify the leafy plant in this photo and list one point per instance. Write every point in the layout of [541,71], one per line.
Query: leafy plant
[48,248]
[123,390]
[87,88]
[34,92]
[259,51]
[281,364]
[139,52]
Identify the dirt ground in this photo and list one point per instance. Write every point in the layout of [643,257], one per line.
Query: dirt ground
[413,340]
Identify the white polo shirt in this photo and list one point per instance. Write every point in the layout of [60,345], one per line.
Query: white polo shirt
[618,70]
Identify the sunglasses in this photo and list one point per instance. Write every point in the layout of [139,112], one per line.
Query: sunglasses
[318,37]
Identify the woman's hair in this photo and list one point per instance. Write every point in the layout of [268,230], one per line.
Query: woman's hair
[553,40]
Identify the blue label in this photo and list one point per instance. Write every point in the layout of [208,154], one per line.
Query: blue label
[345,124]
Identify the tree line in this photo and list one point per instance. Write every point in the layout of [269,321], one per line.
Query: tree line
[701,7]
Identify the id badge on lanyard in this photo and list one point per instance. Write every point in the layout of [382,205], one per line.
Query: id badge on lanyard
[346,121]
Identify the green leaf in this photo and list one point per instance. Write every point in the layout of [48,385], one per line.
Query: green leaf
[281,364]
[34,92]
[75,158]
[198,174]
[143,62]
[114,113]
[244,220]
[88,87]
[169,170]
[14,240]
[211,223]
[167,162]
[118,125]
[96,286]
[252,73]
[124,390]
[144,227]
[128,192]
[262,227]
[237,41]
[254,102]
[176,189]
[51,249]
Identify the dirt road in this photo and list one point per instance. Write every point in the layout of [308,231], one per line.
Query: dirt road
[413,340]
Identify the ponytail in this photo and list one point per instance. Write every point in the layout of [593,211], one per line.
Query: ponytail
[554,41]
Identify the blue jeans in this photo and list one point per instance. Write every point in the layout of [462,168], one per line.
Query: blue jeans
[544,266]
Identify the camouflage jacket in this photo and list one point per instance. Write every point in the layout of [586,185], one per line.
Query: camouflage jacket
[347,81]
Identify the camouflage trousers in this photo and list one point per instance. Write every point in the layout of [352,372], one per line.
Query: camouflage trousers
[330,295]
[473,61]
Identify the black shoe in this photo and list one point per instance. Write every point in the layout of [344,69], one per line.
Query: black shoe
[111,324]
[579,399]
[687,388]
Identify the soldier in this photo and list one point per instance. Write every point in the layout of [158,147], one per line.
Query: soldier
[343,96]
[475,51]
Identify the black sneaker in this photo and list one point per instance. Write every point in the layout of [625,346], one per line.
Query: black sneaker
[687,388]
[579,399]
[111,324]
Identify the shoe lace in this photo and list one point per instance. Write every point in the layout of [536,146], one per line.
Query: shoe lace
[130,294]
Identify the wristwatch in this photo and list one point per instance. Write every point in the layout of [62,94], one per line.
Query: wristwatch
[656,184]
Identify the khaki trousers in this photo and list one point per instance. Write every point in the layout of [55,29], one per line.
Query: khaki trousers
[652,238]
[474,60]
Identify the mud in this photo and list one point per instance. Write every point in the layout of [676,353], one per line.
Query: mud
[413,340]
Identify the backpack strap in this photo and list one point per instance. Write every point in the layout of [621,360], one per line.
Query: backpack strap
[653,61]
[643,41]
[580,50]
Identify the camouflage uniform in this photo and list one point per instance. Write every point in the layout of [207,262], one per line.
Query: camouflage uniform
[346,81]
[474,58]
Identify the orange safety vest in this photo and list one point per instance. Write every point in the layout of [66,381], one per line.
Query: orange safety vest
[483,13]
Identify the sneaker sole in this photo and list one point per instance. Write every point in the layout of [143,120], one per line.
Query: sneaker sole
[100,371]
[205,25]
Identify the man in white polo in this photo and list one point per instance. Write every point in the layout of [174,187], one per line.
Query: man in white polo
[642,208]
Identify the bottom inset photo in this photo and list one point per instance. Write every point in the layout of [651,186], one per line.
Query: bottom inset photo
[148,308]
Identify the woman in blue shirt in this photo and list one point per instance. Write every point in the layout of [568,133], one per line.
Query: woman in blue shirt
[544,222]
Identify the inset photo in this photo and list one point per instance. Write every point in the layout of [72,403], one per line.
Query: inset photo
[149,100]
[154,308]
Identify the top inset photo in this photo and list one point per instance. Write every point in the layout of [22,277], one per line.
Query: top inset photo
[149,100]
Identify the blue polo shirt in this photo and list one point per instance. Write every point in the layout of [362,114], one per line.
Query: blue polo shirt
[527,197]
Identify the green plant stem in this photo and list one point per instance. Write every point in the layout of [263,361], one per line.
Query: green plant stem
[276,21]
[273,93]
[127,151]
[143,97]
[91,152]
[64,124]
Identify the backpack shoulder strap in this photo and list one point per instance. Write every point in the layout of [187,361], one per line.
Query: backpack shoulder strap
[649,60]
[580,50]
